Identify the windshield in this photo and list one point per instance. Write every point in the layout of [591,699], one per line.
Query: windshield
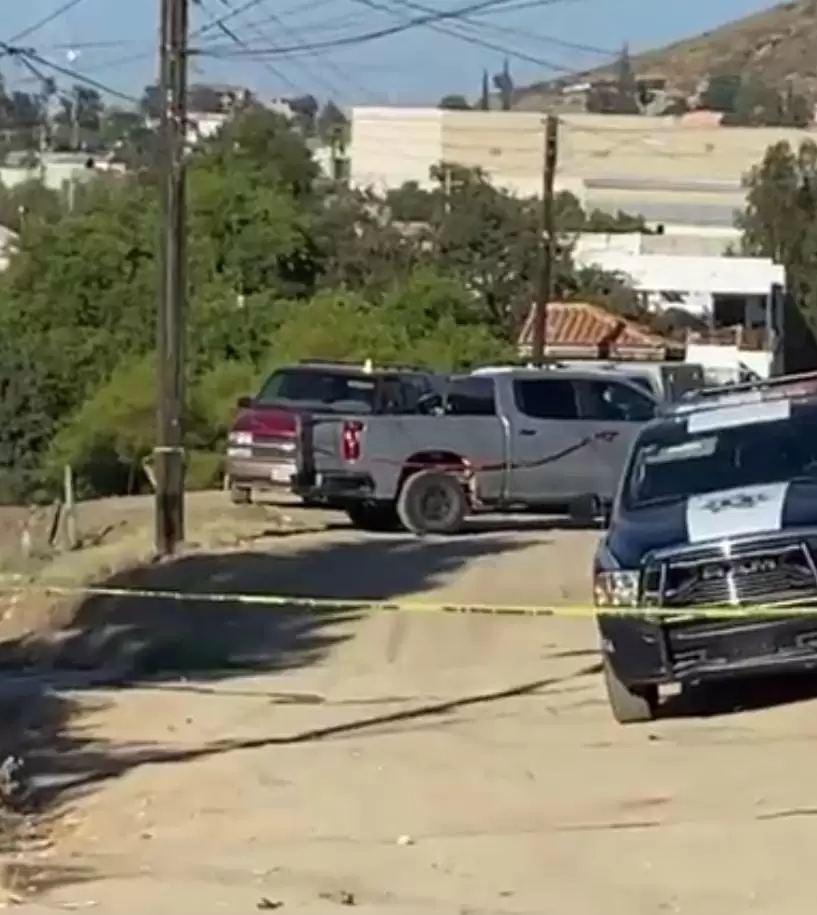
[310,388]
[671,463]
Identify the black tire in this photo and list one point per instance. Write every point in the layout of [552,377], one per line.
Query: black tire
[431,502]
[379,518]
[240,495]
[629,703]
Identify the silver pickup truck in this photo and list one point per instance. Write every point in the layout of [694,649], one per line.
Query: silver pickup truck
[509,439]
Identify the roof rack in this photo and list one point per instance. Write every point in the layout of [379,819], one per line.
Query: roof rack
[780,387]
[366,364]
[804,382]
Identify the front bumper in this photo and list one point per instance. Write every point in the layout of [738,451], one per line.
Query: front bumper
[260,473]
[644,649]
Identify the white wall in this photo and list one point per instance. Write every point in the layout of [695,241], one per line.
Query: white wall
[680,273]
[386,151]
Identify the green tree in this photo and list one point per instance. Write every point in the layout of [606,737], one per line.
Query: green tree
[454,103]
[411,203]
[626,86]
[485,94]
[263,144]
[780,222]
[112,434]
[721,92]
[332,124]
[305,109]
[358,247]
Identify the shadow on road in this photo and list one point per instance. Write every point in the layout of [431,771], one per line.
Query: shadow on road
[142,635]
[710,700]
[118,641]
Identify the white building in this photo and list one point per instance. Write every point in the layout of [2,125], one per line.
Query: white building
[670,170]
[732,294]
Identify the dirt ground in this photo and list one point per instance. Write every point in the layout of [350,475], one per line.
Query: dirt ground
[414,763]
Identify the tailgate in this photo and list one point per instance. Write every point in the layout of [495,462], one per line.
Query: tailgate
[319,446]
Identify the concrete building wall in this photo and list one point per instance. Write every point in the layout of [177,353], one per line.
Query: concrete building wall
[387,151]
[663,167]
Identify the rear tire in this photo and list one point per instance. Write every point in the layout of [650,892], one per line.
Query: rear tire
[629,703]
[240,495]
[376,518]
[431,502]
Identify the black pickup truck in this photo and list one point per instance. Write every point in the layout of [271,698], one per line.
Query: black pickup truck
[716,513]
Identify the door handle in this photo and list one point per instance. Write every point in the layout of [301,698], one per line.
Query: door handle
[527,431]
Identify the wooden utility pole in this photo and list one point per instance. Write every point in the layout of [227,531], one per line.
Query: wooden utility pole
[547,241]
[169,457]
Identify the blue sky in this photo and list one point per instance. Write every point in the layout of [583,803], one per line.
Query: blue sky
[414,67]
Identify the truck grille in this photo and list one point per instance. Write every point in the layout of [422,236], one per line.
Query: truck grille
[775,573]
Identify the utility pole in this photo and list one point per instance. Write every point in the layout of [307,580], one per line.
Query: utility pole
[75,133]
[547,241]
[169,459]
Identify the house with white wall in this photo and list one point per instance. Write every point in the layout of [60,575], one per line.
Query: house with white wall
[734,297]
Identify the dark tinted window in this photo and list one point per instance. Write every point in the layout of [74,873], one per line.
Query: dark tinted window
[671,463]
[471,397]
[416,387]
[392,396]
[320,388]
[546,398]
[613,401]
[642,382]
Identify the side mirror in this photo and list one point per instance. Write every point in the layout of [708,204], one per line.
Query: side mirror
[244,403]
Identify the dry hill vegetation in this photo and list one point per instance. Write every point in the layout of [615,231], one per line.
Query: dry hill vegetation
[776,46]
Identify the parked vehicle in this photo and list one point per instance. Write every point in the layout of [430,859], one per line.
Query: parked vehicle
[262,445]
[717,508]
[667,381]
[508,440]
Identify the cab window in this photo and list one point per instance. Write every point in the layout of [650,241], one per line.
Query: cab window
[612,401]
[471,397]
[546,398]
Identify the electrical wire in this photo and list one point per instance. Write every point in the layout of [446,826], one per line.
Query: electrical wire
[375,34]
[220,20]
[333,89]
[32,61]
[231,34]
[469,39]
[46,20]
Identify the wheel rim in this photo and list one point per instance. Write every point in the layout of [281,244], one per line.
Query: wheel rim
[436,503]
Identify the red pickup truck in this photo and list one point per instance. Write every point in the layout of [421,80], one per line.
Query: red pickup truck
[262,445]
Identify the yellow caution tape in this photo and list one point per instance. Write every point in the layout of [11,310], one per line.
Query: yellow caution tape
[408,606]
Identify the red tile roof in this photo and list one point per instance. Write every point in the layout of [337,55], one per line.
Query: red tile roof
[580,324]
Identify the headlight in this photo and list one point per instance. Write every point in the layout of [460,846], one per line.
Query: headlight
[240,438]
[617,588]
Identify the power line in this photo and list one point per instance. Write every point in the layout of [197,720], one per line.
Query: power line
[226,30]
[332,87]
[220,20]
[376,34]
[543,39]
[29,57]
[469,39]
[46,20]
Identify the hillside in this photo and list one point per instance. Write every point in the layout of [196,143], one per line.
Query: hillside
[776,45]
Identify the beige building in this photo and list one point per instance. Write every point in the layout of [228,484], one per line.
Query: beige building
[670,170]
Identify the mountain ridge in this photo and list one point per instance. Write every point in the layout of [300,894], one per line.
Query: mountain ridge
[778,46]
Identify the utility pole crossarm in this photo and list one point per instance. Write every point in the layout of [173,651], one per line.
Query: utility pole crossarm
[547,241]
